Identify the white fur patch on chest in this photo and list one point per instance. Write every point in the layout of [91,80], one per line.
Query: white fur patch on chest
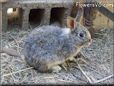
[66,31]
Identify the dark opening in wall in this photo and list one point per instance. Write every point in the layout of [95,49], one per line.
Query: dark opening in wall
[14,17]
[36,16]
[57,15]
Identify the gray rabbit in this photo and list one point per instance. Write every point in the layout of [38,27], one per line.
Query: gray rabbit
[49,46]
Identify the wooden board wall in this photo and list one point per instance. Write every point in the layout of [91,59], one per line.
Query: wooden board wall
[102,21]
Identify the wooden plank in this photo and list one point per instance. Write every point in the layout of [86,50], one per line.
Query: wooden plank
[0,18]
[106,12]
[100,1]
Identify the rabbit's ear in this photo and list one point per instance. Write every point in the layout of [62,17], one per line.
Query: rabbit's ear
[71,23]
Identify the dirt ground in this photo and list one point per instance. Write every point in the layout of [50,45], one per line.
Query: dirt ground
[97,70]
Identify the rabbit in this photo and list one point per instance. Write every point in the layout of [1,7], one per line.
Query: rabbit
[48,46]
[56,24]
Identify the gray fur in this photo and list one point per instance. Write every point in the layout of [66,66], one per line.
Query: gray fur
[48,46]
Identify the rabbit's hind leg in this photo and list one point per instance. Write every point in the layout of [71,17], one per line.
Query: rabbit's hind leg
[43,68]
[46,69]
[56,69]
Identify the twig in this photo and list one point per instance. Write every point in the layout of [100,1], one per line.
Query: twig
[24,78]
[90,81]
[66,81]
[15,42]
[16,72]
[104,79]
[10,52]
[11,74]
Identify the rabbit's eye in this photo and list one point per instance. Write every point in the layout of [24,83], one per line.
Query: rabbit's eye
[81,35]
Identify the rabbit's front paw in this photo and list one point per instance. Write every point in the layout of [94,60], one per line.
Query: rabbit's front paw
[65,65]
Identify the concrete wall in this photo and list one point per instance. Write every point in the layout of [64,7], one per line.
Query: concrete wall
[63,8]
